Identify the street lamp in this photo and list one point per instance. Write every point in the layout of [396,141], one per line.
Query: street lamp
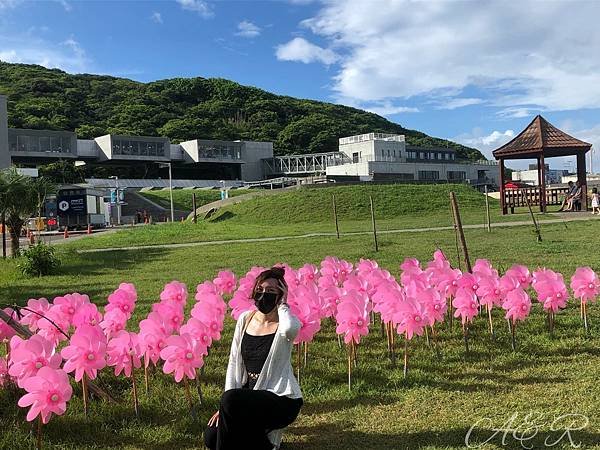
[116,178]
[170,188]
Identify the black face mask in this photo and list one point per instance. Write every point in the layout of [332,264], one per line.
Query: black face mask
[266,301]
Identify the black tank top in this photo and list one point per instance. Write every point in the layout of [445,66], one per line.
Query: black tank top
[255,350]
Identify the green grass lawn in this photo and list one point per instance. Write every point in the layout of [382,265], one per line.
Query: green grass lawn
[310,210]
[433,408]
[182,198]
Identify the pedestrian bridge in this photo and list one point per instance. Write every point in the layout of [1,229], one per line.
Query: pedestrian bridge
[306,164]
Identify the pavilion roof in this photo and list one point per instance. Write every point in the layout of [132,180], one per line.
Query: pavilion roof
[541,137]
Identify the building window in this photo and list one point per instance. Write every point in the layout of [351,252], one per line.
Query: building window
[355,157]
[455,175]
[429,175]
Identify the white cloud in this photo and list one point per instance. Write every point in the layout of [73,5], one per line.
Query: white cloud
[247,29]
[8,4]
[459,102]
[299,49]
[198,6]
[483,142]
[514,54]
[66,5]
[67,55]
[156,17]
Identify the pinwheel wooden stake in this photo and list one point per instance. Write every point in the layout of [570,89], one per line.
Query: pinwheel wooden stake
[465,328]
[39,433]
[146,383]
[405,356]
[85,394]
[491,322]
[136,405]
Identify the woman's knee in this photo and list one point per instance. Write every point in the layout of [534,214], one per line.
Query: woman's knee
[232,399]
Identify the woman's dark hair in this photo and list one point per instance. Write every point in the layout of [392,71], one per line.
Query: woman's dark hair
[594,190]
[276,273]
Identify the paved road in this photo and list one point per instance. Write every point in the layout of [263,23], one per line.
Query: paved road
[562,219]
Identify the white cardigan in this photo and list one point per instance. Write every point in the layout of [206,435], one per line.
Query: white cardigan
[277,375]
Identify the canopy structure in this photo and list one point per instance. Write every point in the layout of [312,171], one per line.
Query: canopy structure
[541,140]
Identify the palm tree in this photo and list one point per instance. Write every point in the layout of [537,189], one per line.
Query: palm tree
[21,197]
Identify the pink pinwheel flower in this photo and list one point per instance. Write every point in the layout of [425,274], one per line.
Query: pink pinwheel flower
[210,302]
[6,331]
[465,303]
[27,357]
[336,268]
[69,304]
[153,336]
[124,353]
[469,282]
[247,281]
[241,302]
[308,273]
[210,318]
[53,326]
[206,288]
[359,284]
[387,300]
[86,352]
[585,284]
[435,305]
[520,274]
[225,282]
[39,308]
[123,300]
[113,322]
[304,304]
[550,289]
[411,318]
[489,292]
[182,356]
[483,268]
[366,266]
[517,305]
[130,289]
[352,317]
[47,392]
[87,314]
[330,297]
[447,283]
[200,332]
[171,311]
[174,292]
[4,376]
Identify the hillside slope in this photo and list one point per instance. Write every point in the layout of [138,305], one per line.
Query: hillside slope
[395,201]
[187,108]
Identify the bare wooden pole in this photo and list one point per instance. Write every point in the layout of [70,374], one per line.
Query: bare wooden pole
[3,236]
[85,394]
[136,404]
[461,234]
[487,210]
[405,372]
[194,207]
[335,217]
[373,222]
[535,224]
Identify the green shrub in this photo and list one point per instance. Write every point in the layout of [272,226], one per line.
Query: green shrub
[38,260]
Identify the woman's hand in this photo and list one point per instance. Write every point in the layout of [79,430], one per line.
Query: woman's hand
[214,420]
[284,292]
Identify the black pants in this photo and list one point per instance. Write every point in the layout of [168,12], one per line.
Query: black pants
[246,416]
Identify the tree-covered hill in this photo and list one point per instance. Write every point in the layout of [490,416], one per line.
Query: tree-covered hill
[187,108]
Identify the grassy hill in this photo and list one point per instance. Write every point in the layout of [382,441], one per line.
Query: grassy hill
[391,202]
[187,108]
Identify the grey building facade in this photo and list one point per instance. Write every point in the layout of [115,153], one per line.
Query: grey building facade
[4,156]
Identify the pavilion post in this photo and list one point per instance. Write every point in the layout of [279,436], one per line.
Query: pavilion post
[502,200]
[582,178]
[542,175]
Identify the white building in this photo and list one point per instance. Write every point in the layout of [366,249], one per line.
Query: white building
[377,156]
[530,176]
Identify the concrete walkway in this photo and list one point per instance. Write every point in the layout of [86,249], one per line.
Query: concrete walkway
[566,218]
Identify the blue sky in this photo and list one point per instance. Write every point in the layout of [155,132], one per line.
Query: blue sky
[473,72]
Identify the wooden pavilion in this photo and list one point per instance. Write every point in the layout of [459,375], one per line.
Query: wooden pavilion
[540,140]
